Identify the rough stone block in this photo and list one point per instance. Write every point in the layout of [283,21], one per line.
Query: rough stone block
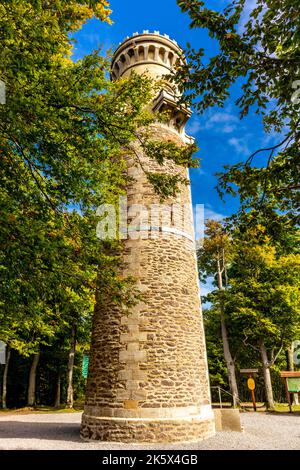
[132,356]
[123,394]
[138,375]
[133,328]
[227,419]
[132,384]
[126,374]
[130,404]
[133,347]
[139,394]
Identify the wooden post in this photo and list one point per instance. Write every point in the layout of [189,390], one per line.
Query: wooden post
[253,399]
[288,394]
[250,374]
[252,388]
[294,388]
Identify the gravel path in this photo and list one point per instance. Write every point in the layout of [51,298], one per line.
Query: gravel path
[60,431]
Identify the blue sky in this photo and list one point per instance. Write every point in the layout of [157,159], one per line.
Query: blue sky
[221,136]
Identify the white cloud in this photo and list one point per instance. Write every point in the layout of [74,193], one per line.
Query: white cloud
[222,118]
[213,215]
[273,138]
[201,213]
[91,38]
[207,288]
[269,139]
[193,127]
[227,129]
[239,145]
[245,16]
[200,171]
[223,122]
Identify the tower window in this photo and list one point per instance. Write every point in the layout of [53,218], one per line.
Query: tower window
[162,52]
[151,52]
[141,53]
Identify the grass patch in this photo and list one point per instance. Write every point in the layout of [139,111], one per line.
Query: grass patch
[260,407]
[284,407]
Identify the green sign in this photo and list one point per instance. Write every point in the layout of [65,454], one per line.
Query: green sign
[293,384]
[85,365]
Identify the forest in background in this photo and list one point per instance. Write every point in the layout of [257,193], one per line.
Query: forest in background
[64,128]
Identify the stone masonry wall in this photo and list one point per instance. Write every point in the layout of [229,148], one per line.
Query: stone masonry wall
[148,377]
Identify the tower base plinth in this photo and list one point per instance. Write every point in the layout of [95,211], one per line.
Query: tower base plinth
[146,430]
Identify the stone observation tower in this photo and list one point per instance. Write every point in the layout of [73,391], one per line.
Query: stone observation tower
[148,375]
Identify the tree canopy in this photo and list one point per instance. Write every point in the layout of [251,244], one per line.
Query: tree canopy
[260,54]
[259,308]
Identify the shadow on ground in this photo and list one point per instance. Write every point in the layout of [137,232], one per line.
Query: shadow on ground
[43,431]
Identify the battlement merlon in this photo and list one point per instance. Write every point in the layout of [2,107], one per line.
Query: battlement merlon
[154,54]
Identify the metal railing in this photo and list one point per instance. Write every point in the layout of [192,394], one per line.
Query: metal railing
[220,390]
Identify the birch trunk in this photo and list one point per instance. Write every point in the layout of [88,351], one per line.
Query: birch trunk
[291,367]
[226,349]
[5,374]
[267,376]
[70,391]
[229,364]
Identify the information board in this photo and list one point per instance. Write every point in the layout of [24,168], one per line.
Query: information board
[293,384]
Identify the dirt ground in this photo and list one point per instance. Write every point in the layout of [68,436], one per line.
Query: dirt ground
[60,431]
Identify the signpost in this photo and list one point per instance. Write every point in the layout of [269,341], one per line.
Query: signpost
[292,385]
[251,383]
[251,386]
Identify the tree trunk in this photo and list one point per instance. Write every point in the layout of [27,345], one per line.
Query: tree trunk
[290,358]
[5,374]
[229,363]
[267,376]
[70,394]
[226,349]
[32,380]
[290,367]
[58,390]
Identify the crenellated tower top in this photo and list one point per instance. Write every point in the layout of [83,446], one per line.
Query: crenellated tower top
[154,54]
